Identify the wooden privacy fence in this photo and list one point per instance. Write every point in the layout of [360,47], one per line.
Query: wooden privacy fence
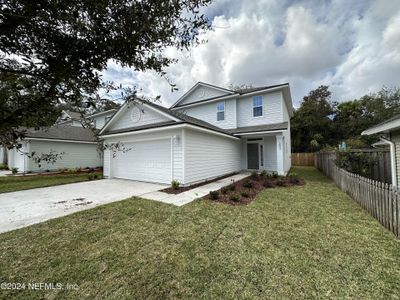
[303,159]
[380,171]
[381,200]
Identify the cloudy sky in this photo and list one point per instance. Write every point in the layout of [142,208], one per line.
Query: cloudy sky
[351,45]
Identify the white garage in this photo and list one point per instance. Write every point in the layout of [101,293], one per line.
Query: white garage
[149,143]
[145,161]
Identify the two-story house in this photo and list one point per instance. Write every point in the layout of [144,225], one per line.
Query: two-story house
[210,131]
[73,118]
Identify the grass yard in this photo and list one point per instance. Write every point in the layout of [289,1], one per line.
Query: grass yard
[308,241]
[18,183]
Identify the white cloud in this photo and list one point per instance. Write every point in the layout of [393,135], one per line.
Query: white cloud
[350,45]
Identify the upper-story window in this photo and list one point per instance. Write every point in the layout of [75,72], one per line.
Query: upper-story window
[257,106]
[220,111]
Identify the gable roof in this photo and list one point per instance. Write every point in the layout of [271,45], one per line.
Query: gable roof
[68,133]
[386,126]
[73,114]
[203,84]
[259,128]
[177,118]
[245,92]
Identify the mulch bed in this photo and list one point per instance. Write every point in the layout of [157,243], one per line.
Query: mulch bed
[244,191]
[52,173]
[181,189]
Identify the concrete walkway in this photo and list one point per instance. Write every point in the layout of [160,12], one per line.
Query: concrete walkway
[189,196]
[5,172]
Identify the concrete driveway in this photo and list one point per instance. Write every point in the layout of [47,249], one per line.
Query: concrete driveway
[23,208]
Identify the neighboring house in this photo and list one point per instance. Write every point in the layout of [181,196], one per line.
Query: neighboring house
[75,118]
[78,144]
[3,155]
[390,135]
[71,118]
[210,131]
[68,135]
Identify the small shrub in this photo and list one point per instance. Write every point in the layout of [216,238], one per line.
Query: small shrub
[248,184]
[47,170]
[3,167]
[280,182]
[224,190]
[234,197]
[232,187]
[72,170]
[263,174]
[214,195]
[268,184]
[93,176]
[245,194]
[274,175]
[14,171]
[175,184]
[254,175]
[29,172]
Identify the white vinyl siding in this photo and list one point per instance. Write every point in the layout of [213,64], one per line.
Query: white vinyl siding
[17,158]
[106,163]
[209,156]
[148,140]
[101,120]
[202,93]
[272,110]
[76,155]
[270,163]
[140,116]
[395,138]
[207,112]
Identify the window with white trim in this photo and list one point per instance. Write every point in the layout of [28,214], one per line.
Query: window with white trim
[257,106]
[220,111]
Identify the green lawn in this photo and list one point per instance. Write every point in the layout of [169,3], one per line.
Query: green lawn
[308,242]
[18,183]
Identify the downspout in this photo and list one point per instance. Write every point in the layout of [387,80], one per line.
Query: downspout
[392,160]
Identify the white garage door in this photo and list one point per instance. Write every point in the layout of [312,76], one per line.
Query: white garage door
[146,161]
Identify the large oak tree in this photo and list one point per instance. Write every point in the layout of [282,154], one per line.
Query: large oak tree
[53,51]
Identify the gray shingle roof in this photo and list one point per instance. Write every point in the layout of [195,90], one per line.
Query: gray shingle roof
[73,114]
[147,126]
[259,88]
[63,133]
[188,119]
[394,118]
[183,118]
[240,92]
[268,127]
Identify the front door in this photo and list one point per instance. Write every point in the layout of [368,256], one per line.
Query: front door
[253,156]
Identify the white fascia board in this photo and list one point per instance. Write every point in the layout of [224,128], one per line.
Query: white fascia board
[390,126]
[260,132]
[195,86]
[59,140]
[236,95]
[177,126]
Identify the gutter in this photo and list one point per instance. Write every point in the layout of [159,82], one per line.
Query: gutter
[392,159]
